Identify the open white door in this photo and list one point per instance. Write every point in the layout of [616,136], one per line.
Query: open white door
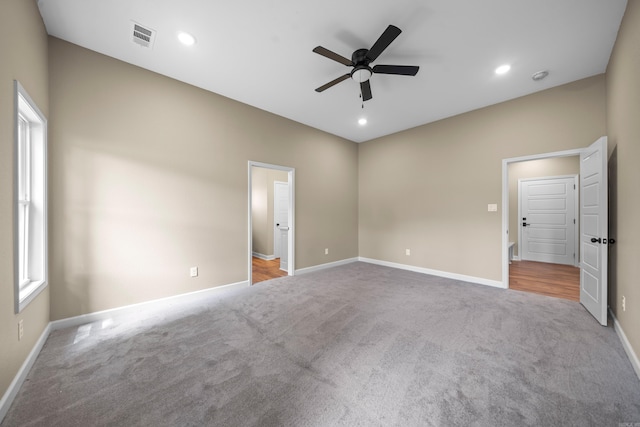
[281,223]
[594,229]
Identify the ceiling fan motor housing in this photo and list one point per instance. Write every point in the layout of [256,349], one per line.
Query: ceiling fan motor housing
[359,57]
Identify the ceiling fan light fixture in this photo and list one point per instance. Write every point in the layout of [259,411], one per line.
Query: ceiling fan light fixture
[361,74]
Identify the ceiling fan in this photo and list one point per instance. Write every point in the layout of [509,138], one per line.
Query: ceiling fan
[361,60]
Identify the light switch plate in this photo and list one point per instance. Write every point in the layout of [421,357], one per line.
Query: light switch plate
[492,207]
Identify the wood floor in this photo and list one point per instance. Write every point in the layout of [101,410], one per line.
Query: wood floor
[554,280]
[264,270]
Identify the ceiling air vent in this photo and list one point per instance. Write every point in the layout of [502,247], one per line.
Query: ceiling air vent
[142,36]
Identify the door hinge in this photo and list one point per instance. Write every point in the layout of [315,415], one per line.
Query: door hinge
[574,220]
[574,186]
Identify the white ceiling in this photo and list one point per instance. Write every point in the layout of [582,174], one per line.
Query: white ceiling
[259,52]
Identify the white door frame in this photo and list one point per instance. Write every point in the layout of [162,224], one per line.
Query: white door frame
[576,210]
[291,179]
[505,201]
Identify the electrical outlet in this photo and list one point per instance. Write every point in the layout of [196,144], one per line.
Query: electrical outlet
[194,271]
[20,329]
[624,303]
[408,251]
[326,251]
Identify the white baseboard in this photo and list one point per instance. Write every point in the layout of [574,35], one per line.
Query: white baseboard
[633,357]
[327,265]
[148,305]
[18,380]
[263,256]
[455,276]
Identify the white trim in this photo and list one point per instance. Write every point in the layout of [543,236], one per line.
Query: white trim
[263,256]
[25,106]
[633,357]
[291,179]
[454,276]
[327,265]
[18,380]
[505,201]
[147,305]
[565,153]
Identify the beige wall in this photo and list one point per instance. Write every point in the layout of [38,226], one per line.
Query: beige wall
[262,207]
[557,166]
[23,57]
[427,189]
[623,126]
[150,178]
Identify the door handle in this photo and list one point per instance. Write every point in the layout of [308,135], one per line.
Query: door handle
[603,241]
[524,224]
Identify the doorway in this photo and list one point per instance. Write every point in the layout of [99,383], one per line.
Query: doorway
[592,191]
[542,192]
[271,201]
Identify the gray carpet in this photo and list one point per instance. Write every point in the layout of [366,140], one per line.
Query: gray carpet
[357,345]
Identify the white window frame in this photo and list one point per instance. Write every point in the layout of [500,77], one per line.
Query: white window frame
[30,199]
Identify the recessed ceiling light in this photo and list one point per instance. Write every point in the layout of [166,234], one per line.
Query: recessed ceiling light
[186,38]
[362,121]
[503,69]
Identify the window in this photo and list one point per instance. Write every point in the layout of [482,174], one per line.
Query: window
[30,203]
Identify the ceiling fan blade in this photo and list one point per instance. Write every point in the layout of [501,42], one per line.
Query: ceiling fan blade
[332,55]
[365,87]
[385,40]
[403,70]
[333,82]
